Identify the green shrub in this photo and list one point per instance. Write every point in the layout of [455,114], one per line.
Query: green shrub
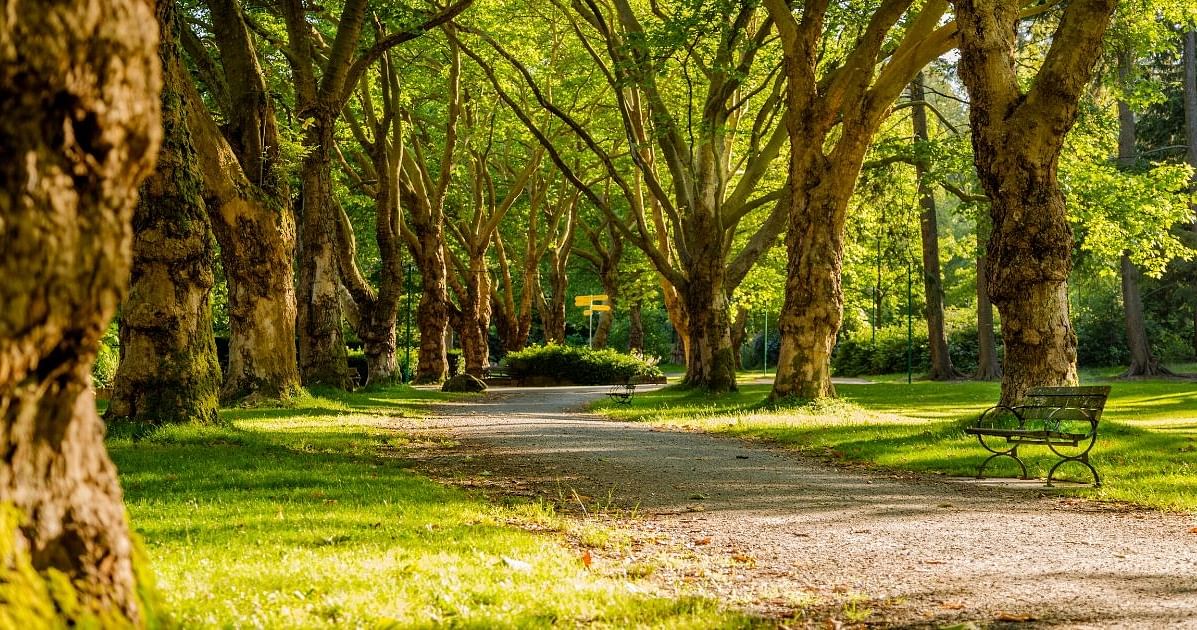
[580,365]
[108,358]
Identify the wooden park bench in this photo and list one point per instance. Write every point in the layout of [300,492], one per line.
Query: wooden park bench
[1062,418]
[622,394]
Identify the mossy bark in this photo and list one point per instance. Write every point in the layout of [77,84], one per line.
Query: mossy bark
[168,371]
[79,82]
[1017,138]
[323,359]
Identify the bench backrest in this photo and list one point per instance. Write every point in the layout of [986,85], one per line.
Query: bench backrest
[1066,403]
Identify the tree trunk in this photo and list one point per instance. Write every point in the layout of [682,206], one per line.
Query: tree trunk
[322,355]
[941,362]
[552,312]
[1190,96]
[739,331]
[709,362]
[249,206]
[813,308]
[168,371]
[610,278]
[474,319]
[635,327]
[1142,362]
[432,315]
[1017,139]
[377,332]
[988,368]
[79,81]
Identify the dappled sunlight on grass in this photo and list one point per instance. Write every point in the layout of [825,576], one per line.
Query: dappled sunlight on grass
[1146,450]
[307,517]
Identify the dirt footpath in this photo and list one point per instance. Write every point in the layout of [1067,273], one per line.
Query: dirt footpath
[781,534]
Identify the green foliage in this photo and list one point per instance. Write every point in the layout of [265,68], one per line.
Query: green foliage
[856,354]
[579,365]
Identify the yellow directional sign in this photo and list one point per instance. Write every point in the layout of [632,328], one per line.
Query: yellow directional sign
[600,308]
[588,312]
[587,300]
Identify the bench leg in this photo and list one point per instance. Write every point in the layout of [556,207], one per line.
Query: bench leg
[1084,459]
[1012,454]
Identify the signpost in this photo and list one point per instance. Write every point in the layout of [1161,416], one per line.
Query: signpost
[593,304]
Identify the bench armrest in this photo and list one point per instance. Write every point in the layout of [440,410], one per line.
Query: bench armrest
[993,413]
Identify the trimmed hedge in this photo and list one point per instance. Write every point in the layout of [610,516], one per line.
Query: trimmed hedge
[578,365]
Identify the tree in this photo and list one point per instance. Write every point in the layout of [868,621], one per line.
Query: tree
[248,201]
[689,193]
[168,371]
[1017,137]
[941,362]
[324,84]
[80,130]
[834,105]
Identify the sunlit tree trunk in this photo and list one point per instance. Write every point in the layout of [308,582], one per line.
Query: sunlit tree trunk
[168,371]
[80,128]
[248,201]
[635,327]
[988,367]
[1017,139]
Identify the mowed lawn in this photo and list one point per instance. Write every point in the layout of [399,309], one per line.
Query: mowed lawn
[310,517]
[1146,450]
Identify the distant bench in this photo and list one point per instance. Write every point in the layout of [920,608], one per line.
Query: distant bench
[1060,418]
[622,394]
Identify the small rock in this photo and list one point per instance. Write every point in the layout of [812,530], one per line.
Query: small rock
[463,383]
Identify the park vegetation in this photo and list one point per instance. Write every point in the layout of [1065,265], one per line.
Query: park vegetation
[235,205]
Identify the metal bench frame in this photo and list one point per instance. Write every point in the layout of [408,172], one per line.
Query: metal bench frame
[1041,421]
[622,394]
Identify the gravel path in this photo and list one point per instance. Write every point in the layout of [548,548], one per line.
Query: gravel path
[783,534]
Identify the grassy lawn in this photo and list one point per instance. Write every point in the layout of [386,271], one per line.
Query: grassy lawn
[307,517]
[1146,450]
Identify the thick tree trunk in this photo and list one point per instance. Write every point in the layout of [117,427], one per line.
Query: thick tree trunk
[988,367]
[474,319]
[1017,139]
[168,371]
[377,332]
[79,81]
[941,362]
[249,206]
[635,327]
[552,310]
[813,308]
[739,331]
[709,362]
[322,355]
[432,315]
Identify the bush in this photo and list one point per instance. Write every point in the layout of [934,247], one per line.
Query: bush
[103,371]
[579,365]
[857,355]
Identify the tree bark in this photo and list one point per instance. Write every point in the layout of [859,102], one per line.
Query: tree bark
[1017,139]
[709,362]
[739,331]
[941,361]
[988,367]
[79,81]
[432,315]
[635,327]
[248,201]
[323,359]
[168,371]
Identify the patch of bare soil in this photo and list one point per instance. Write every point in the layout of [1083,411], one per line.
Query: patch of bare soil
[809,543]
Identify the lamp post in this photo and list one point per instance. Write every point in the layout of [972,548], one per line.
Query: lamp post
[765,345]
[909,323]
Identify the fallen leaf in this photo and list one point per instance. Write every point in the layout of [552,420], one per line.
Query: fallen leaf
[517,565]
[1193,530]
[1013,617]
[586,559]
[702,541]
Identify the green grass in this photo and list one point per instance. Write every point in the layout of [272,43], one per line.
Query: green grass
[310,517]
[1146,450]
